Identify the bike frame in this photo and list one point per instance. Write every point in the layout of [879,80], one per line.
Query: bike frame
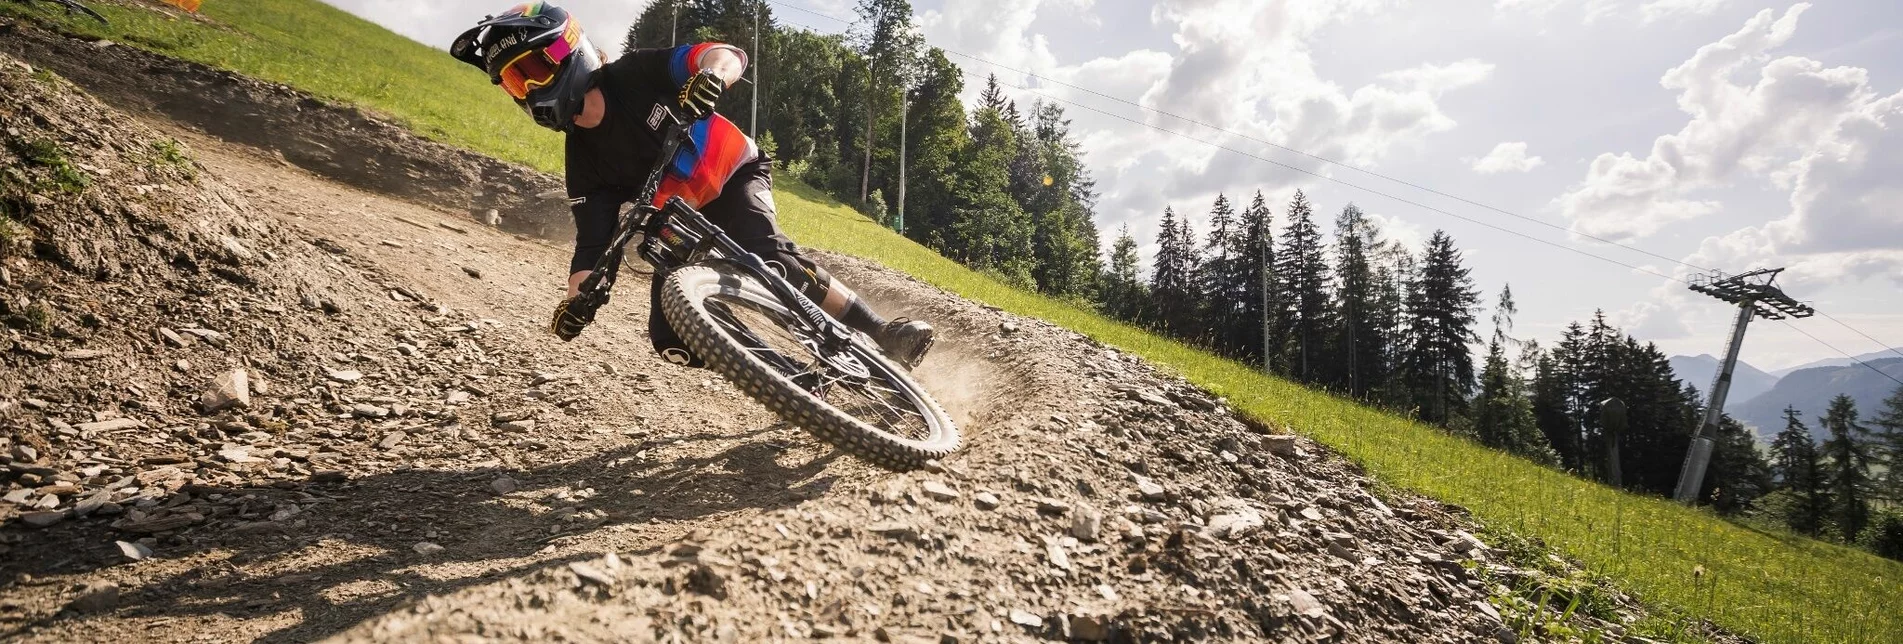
[710,242]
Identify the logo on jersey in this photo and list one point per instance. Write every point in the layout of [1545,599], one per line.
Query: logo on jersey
[655,117]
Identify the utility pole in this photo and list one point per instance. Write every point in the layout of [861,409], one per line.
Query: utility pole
[1754,299]
[905,106]
[753,127]
[1268,317]
[674,26]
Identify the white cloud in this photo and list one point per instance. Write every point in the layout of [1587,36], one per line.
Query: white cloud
[1435,79]
[1657,10]
[1533,6]
[1736,130]
[1592,11]
[1653,321]
[1822,135]
[1507,157]
[1408,234]
[1244,64]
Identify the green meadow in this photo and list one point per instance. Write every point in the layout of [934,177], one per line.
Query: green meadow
[1772,586]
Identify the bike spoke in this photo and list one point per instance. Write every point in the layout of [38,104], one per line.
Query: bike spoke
[786,346]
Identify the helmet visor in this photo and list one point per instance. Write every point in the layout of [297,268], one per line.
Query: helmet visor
[530,70]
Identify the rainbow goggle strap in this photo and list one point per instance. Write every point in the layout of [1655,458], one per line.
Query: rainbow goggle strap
[537,67]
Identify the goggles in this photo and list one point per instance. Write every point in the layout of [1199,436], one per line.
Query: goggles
[530,70]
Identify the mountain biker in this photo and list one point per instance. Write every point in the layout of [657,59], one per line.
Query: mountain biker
[613,115]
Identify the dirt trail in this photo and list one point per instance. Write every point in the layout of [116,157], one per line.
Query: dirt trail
[417,460]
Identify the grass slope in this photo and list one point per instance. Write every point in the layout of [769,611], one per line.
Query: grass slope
[1772,586]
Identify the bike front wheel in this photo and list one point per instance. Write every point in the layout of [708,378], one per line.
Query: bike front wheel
[851,396]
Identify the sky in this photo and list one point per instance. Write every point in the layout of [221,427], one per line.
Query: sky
[1698,134]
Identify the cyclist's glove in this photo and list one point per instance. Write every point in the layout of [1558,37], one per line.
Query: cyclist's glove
[701,94]
[573,315]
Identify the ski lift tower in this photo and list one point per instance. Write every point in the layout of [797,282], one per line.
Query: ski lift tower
[1755,297]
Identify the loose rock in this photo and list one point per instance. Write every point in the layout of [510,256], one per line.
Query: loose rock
[1150,490]
[134,551]
[939,491]
[1087,524]
[1305,604]
[232,389]
[111,425]
[1281,445]
[1026,619]
[42,519]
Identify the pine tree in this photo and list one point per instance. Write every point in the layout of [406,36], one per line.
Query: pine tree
[1393,272]
[1660,414]
[1503,415]
[885,38]
[1611,365]
[1254,257]
[1890,445]
[1028,164]
[1738,474]
[1439,363]
[1799,469]
[1217,281]
[1123,292]
[1186,316]
[1556,395]
[993,95]
[1358,350]
[938,137]
[989,232]
[1169,275]
[1060,200]
[1302,270]
[1503,412]
[1848,466]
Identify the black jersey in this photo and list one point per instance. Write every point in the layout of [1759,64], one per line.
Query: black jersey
[618,154]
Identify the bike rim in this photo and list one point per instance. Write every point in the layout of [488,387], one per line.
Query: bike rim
[779,339]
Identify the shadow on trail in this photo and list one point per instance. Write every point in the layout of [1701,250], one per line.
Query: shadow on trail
[380,518]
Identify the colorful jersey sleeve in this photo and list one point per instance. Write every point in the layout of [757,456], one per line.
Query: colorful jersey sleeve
[686,59]
[715,149]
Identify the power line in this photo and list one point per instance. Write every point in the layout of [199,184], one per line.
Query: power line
[1332,162]
[1286,166]
[816,13]
[1886,346]
[1330,179]
[1323,159]
[1392,197]
[1852,358]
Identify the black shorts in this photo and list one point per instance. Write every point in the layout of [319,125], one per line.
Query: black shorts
[744,210]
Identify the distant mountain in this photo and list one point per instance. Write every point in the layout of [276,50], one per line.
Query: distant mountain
[1810,390]
[1746,381]
[1839,362]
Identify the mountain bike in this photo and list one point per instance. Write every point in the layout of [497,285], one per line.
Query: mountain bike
[755,328]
